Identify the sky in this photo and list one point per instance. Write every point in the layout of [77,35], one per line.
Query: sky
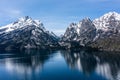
[56,15]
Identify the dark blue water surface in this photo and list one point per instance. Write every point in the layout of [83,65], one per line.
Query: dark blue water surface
[59,65]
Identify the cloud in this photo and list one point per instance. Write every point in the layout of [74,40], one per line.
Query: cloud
[15,12]
[9,15]
[12,13]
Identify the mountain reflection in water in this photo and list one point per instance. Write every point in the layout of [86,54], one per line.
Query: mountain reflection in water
[59,65]
[105,64]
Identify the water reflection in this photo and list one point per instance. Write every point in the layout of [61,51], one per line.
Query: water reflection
[63,65]
[25,64]
[105,64]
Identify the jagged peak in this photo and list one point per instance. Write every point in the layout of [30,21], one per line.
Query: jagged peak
[111,13]
[106,21]
[23,22]
[108,15]
[78,25]
[72,25]
[86,20]
[29,20]
[25,18]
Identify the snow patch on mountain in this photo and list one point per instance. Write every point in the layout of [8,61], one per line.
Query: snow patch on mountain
[26,33]
[82,32]
[20,23]
[107,21]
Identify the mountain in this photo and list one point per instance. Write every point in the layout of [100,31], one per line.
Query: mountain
[26,33]
[102,33]
[82,32]
[108,21]
[108,32]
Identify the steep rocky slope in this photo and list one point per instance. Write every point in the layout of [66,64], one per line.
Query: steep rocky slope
[102,33]
[26,33]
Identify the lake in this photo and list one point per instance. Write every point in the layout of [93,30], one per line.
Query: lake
[59,65]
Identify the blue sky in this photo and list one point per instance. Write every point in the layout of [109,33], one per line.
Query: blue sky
[55,14]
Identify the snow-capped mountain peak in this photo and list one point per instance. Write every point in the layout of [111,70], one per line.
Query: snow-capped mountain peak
[107,21]
[86,20]
[112,14]
[84,32]
[26,33]
[28,21]
[25,18]
[22,23]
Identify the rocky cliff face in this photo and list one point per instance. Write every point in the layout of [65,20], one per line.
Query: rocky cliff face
[108,32]
[102,33]
[26,33]
[83,32]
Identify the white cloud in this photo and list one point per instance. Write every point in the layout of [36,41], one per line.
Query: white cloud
[9,15]
[15,12]
[12,13]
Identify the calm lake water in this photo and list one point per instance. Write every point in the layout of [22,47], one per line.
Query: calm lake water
[59,65]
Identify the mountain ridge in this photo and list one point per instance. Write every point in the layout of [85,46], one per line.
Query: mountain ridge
[102,33]
[26,33]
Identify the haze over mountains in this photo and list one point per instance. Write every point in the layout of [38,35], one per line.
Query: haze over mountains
[102,33]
